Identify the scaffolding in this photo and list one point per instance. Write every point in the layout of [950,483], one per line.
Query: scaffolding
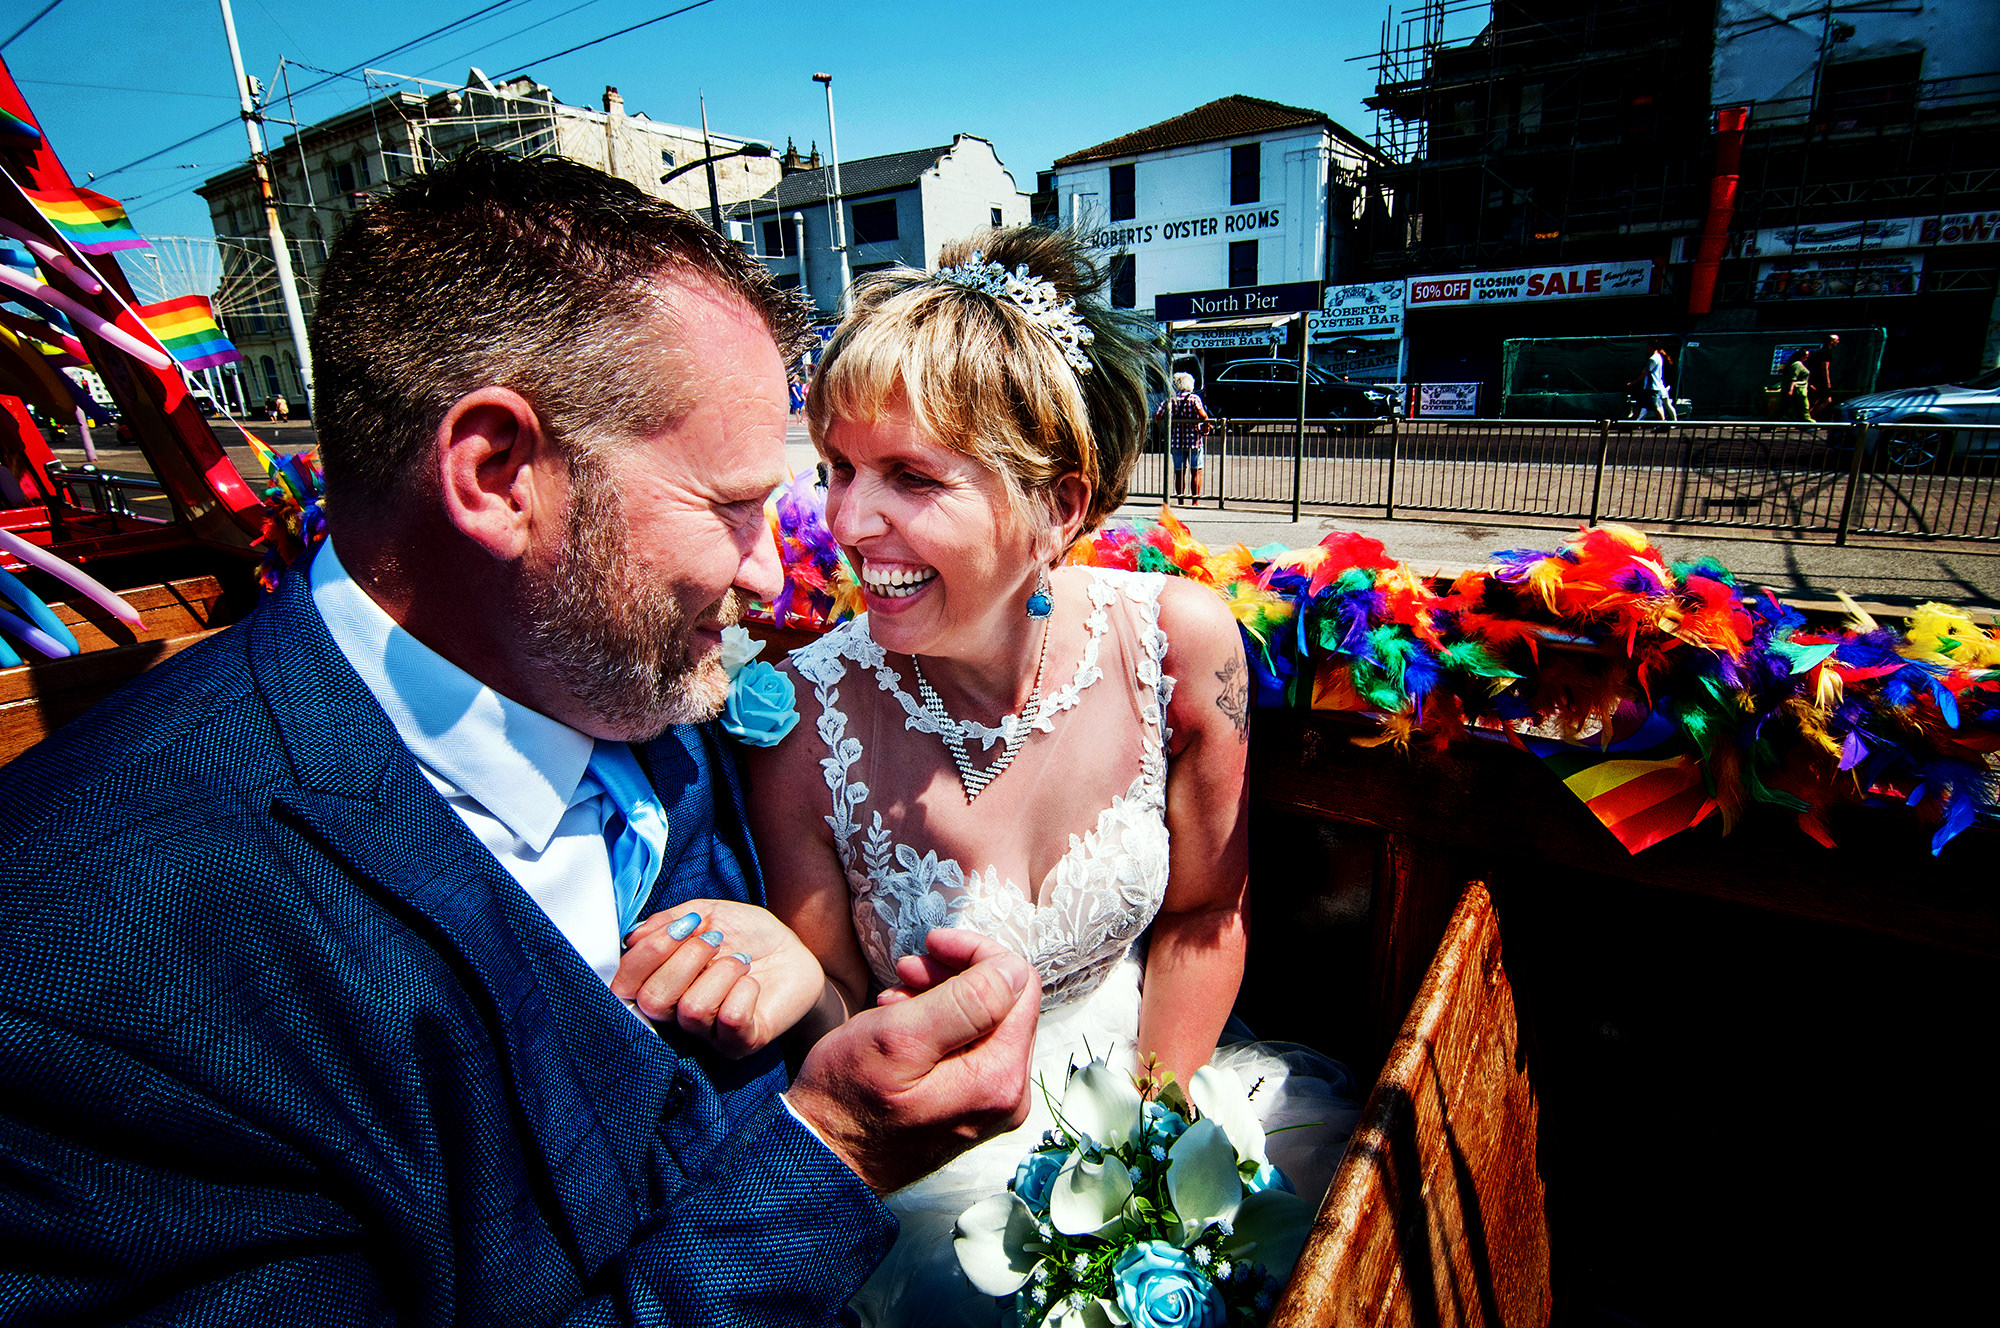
[1510,131]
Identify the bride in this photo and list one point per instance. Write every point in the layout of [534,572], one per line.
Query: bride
[1052,756]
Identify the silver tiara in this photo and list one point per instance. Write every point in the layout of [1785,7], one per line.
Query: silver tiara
[1034,296]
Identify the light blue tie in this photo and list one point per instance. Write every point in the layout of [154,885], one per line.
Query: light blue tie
[635,832]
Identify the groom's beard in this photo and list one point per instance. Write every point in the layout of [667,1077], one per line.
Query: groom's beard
[621,643]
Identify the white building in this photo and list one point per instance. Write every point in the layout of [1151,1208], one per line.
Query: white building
[900,208]
[1239,192]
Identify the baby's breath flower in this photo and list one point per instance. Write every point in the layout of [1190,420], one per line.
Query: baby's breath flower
[1225,1227]
[1136,1174]
[1201,1255]
[1080,1264]
[1041,1272]
[1159,1153]
[1039,1295]
[1222,1270]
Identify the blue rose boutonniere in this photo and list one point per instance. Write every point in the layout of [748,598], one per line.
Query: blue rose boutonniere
[762,706]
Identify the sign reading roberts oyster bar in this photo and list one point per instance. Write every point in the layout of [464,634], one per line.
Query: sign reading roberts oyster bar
[1366,309]
[1570,281]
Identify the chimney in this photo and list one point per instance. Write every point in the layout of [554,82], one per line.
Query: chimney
[614,113]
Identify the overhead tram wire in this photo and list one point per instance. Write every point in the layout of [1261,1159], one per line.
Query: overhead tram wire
[598,41]
[518,32]
[30,23]
[415,41]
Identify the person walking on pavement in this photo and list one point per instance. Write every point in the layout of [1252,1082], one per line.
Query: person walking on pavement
[1798,399]
[1190,426]
[1819,376]
[1652,393]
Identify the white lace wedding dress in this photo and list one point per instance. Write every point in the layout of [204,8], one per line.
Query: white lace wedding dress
[1093,776]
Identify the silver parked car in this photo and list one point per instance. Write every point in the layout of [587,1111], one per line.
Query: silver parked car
[1976,401]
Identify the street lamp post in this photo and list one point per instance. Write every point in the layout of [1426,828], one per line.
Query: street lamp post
[839,222]
[714,206]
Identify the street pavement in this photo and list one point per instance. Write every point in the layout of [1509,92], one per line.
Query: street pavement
[1887,572]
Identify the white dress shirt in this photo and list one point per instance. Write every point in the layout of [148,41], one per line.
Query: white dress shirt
[517,778]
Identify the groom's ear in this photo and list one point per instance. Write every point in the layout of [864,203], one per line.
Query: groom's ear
[503,482]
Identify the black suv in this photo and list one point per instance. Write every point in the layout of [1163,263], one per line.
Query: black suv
[1269,390]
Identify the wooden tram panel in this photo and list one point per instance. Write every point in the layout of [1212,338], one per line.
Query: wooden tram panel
[1436,1215]
[37,697]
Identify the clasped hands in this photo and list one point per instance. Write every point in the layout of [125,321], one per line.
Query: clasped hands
[896,1091]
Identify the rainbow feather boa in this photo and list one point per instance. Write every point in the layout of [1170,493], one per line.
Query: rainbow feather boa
[1663,690]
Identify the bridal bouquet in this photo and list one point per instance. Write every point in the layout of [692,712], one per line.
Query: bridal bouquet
[1161,1213]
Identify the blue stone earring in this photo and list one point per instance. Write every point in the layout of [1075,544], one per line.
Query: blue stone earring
[1043,602]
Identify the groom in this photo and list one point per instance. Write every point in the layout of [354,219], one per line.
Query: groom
[304,936]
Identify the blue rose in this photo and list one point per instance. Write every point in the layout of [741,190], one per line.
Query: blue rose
[1267,1177]
[762,707]
[1158,1287]
[1036,1176]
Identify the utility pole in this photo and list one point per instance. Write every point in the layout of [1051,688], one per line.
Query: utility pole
[260,163]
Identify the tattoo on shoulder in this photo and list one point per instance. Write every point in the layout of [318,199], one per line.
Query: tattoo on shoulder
[1234,698]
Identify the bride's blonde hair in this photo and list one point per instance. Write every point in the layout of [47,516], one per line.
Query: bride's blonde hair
[976,374]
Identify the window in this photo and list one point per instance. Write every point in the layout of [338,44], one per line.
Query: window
[1246,173]
[874,222]
[270,367]
[786,281]
[1243,263]
[343,177]
[1858,93]
[863,269]
[1124,281]
[666,156]
[774,237]
[1124,196]
[997,223]
[361,170]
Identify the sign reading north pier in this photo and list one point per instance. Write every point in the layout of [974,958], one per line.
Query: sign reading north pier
[1288,297]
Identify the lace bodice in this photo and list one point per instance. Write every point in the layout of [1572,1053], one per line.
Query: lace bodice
[887,791]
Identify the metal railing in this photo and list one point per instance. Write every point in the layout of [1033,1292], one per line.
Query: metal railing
[89,489]
[1804,480]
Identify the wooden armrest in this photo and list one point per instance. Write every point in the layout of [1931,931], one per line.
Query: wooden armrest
[1436,1215]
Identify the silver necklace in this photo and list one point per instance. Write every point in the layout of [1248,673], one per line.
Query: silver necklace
[970,777]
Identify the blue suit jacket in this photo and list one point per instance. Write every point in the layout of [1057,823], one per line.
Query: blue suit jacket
[280,1042]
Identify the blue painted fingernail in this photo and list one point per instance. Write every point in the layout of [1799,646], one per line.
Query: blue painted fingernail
[714,938]
[684,928]
[744,957]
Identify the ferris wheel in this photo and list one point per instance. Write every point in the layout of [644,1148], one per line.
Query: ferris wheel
[172,266]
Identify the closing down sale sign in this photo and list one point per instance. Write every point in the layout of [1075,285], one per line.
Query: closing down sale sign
[1573,281]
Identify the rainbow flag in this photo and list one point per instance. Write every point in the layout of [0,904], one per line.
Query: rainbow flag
[187,328]
[16,131]
[90,221]
[1643,789]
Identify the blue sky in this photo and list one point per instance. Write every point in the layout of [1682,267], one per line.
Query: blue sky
[116,80]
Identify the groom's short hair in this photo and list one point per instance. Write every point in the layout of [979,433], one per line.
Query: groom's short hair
[532,273]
